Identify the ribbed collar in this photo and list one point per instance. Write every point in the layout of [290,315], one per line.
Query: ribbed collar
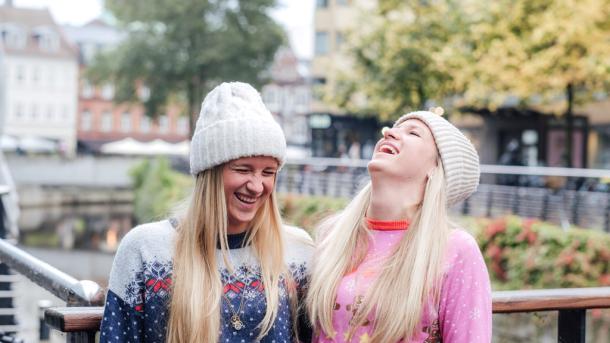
[387,225]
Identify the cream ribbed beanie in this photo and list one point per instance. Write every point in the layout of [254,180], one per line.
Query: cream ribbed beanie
[460,159]
[234,123]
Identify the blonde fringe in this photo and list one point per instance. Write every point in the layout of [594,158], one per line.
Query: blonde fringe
[406,284]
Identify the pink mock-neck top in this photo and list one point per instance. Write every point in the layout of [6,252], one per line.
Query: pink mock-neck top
[464,312]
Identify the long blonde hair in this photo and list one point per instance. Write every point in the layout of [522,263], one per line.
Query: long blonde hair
[407,282]
[195,303]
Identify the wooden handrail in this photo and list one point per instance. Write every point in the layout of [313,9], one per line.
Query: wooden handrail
[551,299]
[74,319]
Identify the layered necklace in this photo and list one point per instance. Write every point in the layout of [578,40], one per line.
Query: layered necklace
[236,321]
[236,241]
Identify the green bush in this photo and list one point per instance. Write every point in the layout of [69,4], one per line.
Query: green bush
[307,211]
[157,189]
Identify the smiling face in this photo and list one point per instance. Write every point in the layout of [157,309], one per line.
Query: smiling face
[406,152]
[248,183]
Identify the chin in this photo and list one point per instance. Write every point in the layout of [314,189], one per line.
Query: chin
[376,165]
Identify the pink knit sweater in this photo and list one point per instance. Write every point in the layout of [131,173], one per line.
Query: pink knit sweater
[464,312]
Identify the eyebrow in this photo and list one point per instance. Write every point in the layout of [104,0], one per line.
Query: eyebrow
[410,126]
[248,165]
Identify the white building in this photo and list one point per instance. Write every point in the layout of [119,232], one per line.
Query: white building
[39,79]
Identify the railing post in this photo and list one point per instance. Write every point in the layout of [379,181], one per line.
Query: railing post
[607,219]
[572,326]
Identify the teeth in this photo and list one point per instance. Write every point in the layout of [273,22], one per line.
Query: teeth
[245,199]
[389,149]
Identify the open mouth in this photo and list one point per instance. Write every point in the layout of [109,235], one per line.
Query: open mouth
[245,199]
[388,149]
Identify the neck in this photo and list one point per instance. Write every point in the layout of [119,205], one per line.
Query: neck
[234,229]
[393,200]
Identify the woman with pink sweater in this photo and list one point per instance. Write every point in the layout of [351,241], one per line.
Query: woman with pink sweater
[391,267]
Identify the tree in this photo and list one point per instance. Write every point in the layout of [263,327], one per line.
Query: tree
[544,53]
[180,49]
[398,59]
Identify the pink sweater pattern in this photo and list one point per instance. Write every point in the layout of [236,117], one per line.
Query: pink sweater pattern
[464,312]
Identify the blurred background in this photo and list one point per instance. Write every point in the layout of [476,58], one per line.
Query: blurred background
[98,100]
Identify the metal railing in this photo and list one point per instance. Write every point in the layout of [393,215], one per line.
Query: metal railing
[571,303]
[525,195]
[74,292]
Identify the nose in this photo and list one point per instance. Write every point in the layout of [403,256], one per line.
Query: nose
[255,185]
[389,132]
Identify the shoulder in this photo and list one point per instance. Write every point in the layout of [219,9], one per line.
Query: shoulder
[296,235]
[143,245]
[461,245]
[148,235]
[298,245]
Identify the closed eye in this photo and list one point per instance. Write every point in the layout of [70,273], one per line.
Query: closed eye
[414,133]
[269,172]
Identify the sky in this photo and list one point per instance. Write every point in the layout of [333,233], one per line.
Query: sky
[295,15]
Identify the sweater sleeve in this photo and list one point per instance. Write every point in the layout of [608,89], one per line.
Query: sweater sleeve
[465,304]
[123,319]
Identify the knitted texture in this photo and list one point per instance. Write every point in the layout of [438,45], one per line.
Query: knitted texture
[460,159]
[137,302]
[234,123]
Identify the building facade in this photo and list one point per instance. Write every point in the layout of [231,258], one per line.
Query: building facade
[99,119]
[288,96]
[39,78]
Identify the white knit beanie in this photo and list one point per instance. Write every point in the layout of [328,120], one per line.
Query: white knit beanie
[460,159]
[234,123]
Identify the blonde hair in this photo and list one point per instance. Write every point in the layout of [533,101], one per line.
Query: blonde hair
[407,282]
[196,295]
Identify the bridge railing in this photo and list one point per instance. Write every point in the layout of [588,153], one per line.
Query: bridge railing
[74,292]
[566,196]
[571,303]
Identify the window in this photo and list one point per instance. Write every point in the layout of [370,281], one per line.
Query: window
[126,122]
[65,112]
[35,75]
[342,2]
[144,93]
[183,125]
[163,124]
[339,39]
[46,38]
[13,36]
[108,91]
[50,112]
[48,42]
[319,81]
[321,43]
[87,90]
[321,3]
[86,120]
[20,74]
[144,124]
[34,112]
[19,111]
[106,121]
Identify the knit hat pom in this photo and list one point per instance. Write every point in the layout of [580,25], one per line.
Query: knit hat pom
[234,123]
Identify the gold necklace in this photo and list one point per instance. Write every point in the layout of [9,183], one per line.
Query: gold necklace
[236,321]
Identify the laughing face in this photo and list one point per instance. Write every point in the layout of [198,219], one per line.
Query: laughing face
[248,183]
[406,152]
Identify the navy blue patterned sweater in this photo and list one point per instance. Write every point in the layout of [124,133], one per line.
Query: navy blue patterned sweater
[136,304]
